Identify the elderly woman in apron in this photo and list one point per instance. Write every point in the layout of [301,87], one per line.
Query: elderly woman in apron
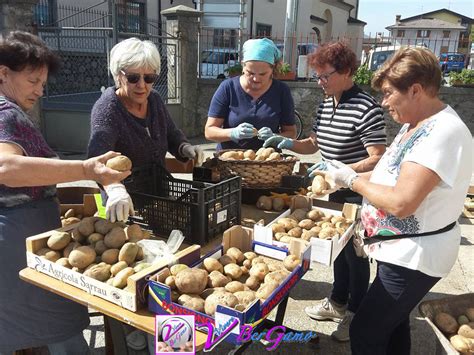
[29,170]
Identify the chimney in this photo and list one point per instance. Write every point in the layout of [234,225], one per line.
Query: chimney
[397,19]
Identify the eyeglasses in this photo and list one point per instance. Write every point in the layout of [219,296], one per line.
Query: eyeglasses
[134,78]
[324,77]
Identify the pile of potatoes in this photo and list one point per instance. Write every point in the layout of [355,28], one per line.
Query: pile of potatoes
[99,249]
[306,224]
[263,154]
[460,331]
[234,280]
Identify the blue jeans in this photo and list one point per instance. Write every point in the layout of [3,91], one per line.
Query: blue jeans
[382,322]
[351,273]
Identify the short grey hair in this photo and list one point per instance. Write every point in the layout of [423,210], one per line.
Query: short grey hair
[133,53]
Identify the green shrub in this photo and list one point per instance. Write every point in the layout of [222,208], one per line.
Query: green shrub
[234,70]
[466,76]
[363,76]
[284,68]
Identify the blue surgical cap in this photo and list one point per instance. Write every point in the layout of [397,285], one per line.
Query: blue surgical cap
[262,50]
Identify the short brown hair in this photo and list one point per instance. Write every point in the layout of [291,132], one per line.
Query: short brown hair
[19,50]
[407,66]
[338,54]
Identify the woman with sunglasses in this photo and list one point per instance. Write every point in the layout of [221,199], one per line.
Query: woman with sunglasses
[248,109]
[349,128]
[132,119]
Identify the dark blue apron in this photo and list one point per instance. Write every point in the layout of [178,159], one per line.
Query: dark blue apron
[29,315]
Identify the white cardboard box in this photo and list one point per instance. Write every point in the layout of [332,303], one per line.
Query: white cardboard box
[323,251]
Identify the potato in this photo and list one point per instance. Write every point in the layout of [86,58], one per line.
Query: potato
[193,302]
[277,228]
[128,253]
[245,297]
[460,343]
[115,238]
[253,282]
[67,250]
[233,271]
[276,276]
[133,233]
[250,255]
[264,203]
[209,291]
[250,154]
[288,223]
[446,323]
[259,270]
[103,226]
[78,236]
[327,233]
[247,263]
[306,223]
[140,254]
[314,214]
[117,267]
[258,259]
[273,156]
[265,290]
[236,254]
[222,298]
[177,268]
[267,152]
[295,232]
[278,204]
[291,262]
[234,286]
[171,282]
[137,267]
[191,280]
[227,259]
[68,221]
[94,238]
[99,272]
[120,280]
[467,330]
[86,226]
[319,185]
[231,155]
[462,319]
[82,257]
[278,236]
[308,234]
[58,240]
[110,256]
[211,264]
[470,314]
[64,262]
[100,247]
[119,163]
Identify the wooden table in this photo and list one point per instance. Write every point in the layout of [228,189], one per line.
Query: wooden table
[142,319]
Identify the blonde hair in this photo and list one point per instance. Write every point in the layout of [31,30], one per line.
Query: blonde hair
[407,66]
[133,53]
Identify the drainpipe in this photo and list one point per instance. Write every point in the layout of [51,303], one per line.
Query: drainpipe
[251,18]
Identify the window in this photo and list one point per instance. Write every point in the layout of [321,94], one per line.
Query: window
[45,13]
[225,38]
[446,34]
[131,16]
[401,33]
[423,34]
[264,30]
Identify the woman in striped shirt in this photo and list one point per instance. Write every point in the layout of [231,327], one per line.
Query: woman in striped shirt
[349,127]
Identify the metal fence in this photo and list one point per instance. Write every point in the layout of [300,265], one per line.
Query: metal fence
[220,49]
[83,39]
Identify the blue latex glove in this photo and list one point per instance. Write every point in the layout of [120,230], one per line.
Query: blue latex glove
[242,131]
[321,166]
[279,141]
[264,133]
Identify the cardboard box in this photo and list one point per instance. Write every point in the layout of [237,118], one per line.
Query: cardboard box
[80,199]
[131,297]
[159,297]
[324,251]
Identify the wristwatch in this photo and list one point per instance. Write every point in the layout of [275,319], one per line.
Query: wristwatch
[351,181]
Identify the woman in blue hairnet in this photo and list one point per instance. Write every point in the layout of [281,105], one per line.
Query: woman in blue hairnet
[248,109]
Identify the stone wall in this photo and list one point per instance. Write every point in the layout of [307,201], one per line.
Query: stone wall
[307,96]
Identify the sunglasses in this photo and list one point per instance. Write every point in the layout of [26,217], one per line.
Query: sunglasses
[134,78]
[324,77]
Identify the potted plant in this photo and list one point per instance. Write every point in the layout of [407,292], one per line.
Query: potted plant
[284,72]
[464,78]
[234,70]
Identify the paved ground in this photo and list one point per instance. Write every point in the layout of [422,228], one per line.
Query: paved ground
[317,284]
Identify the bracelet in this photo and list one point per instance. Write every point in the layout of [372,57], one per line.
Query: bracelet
[351,181]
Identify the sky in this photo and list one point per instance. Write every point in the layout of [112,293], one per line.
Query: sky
[379,14]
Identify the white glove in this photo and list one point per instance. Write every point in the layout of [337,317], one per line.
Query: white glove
[341,174]
[193,152]
[119,204]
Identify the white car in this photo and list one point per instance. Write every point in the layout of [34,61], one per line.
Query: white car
[215,61]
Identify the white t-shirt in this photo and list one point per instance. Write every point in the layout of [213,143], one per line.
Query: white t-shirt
[442,144]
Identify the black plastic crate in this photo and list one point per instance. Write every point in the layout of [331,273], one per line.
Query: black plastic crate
[200,210]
